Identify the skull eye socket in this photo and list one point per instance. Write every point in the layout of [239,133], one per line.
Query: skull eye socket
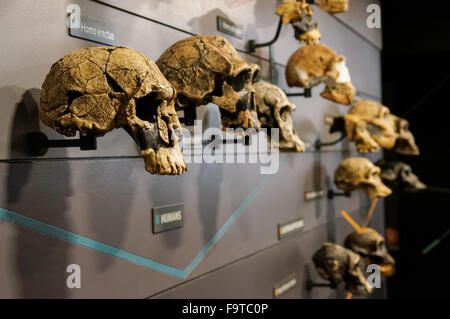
[285,112]
[238,82]
[147,107]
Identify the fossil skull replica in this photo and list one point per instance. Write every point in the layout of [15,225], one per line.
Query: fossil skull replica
[333,6]
[371,125]
[299,13]
[341,265]
[274,111]
[96,90]
[370,245]
[359,173]
[206,69]
[313,64]
[401,174]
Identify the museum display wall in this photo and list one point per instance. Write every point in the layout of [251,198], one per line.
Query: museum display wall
[229,245]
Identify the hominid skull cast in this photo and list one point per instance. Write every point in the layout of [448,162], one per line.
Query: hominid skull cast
[333,6]
[401,174]
[206,69]
[370,245]
[299,13]
[340,265]
[371,125]
[359,173]
[96,90]
[313,64]
[274,111]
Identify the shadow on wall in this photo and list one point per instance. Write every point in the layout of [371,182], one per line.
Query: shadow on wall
[39,191]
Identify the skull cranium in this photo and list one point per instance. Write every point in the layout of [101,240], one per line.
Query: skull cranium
[96,90]
[400,173]
[333,6]
[299,13]
[206,69]
[337,265]
[372,125]
[274,111]
[313,64]
[359,173]
[370,245]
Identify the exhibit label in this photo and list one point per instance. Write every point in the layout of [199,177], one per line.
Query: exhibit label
[309,196]
[290,228]
[167,218]
[284,286]
[95,31]
[229,27]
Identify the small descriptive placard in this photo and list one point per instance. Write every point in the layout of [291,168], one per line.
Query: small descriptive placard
[312,195]
[166,218]
[95,31]
[290,228]
[229,27]
[284,286]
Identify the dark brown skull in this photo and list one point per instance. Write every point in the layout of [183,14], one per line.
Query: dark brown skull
[337,265]
[371,246]
[401,174]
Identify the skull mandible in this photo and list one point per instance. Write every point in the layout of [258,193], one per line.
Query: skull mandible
[274,111]
[359,173]
[337,265]
[96,90]
[370,245]
[206,69]
[313,64]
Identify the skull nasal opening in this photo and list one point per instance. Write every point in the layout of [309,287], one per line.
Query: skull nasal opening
[147,108]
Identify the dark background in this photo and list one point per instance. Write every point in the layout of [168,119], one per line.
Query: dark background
[416,86]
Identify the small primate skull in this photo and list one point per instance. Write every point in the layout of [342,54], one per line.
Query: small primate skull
[359,173]
[206,69]
[371,125]
[299,13]
[370,245]
[310,37]
[333,6]
[313,64]
[96,90]
[400,174]
[290,10]
[337,265]
[274,111]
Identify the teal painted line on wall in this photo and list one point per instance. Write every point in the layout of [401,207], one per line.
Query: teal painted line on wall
[86,242]
[62,234]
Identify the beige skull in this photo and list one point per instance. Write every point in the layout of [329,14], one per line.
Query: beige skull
[96,90]
[274,111]
[371,125]
[291,10]
[206,69]
[359,173]
[313,64]
[333,6]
